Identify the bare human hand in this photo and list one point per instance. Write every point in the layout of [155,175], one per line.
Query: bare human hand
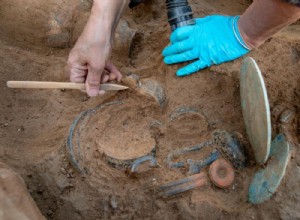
[89,59]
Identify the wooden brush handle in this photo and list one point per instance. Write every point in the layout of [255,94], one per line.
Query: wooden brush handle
[59,85]
[45,85]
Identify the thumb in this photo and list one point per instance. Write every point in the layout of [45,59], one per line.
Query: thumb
[93,79]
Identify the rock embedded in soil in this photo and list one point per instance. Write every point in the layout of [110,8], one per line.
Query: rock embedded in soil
[63,171]
[287,116]
[15,201]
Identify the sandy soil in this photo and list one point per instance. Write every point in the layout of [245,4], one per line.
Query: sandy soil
[36,37]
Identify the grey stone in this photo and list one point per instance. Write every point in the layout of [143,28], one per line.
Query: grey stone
[287,116]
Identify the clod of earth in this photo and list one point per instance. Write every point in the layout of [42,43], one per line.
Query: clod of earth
[15,197]
[287,116]
[148,87]
[131,80]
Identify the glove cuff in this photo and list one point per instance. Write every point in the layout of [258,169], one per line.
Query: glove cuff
[237,34]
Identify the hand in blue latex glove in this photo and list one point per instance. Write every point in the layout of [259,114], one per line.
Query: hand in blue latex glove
[212,40]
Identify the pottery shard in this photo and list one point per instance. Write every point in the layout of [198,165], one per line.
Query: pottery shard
[124,37]
[154,89]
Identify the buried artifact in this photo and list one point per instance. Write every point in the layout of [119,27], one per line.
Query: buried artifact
[256,110]
[257,119]
[95,133]
[266,181]
[223,143]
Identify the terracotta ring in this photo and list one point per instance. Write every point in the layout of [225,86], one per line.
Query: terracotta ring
[221,173]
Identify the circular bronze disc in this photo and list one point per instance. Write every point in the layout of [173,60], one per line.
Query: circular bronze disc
[256,110]
[267,180]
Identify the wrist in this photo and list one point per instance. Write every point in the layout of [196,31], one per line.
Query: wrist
[264,18]
[250,40]
[237,33]
[108,13]
[96,32]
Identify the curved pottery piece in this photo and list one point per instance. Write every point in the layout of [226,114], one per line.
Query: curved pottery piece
[230,147]
[113,133]
[256,110]
[124,37]
[153,88]
[266,181]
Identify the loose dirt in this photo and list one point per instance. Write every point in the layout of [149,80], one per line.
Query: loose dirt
[35,39]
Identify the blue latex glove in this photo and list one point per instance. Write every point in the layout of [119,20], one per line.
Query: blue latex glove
[212,40]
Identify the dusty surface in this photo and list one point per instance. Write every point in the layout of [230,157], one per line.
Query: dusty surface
[34,124]
[122,131]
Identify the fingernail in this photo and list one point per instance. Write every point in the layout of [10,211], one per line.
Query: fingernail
[93,92]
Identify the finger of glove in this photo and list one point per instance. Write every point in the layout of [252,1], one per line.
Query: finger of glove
[93,80]
[181,57]
[181,33]
[192,68]
[176,48]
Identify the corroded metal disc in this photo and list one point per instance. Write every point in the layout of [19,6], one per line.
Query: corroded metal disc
[266,181]
[256,110]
